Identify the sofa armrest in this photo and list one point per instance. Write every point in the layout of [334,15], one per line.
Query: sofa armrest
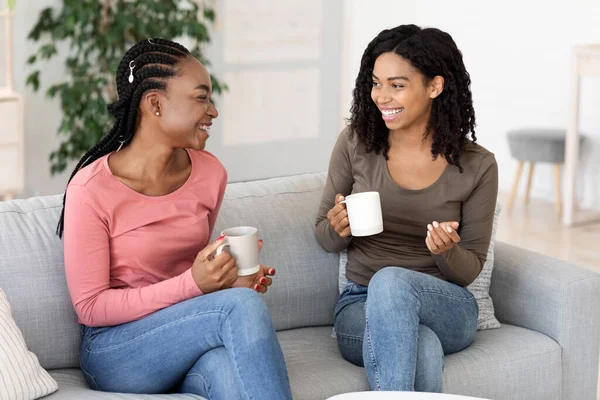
[558,299]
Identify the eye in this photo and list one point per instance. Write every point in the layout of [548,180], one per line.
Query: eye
[398,86]
[376,84]
[202,98]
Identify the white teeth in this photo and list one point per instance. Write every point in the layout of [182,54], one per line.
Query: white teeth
[204,127]
[388,113]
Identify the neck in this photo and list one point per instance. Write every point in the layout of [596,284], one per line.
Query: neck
[411,138]
[149,158]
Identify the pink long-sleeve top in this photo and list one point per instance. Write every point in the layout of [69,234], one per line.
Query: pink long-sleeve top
[128,255]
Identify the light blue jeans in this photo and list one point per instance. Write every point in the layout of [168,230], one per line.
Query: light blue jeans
[401,325]
[219,346]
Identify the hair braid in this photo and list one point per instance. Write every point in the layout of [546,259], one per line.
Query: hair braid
[432,52]
[154,61]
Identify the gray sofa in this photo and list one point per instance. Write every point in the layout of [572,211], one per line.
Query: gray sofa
[546,349]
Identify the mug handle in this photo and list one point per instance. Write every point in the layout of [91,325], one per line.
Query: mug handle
[221,247]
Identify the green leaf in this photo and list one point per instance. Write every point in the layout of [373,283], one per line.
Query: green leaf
[11,4]
[34,80]
[209,14]
[47,51]
[31,60]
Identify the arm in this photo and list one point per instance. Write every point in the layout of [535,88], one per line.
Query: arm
[462,263]
[339,180]
[87,265]
[555,298]
[212,218]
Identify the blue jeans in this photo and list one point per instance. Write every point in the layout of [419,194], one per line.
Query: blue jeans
[400,327]
[219,346]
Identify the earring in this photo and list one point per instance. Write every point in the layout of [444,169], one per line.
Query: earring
[122,141]
[157,113]
[131,71]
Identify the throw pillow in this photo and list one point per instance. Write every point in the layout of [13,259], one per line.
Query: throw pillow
[21,375]
[480,288]
[481,285]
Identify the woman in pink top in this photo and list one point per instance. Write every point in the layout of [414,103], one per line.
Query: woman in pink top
[158,312]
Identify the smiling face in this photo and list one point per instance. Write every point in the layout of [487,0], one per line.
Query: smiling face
[401,92]
[185,109]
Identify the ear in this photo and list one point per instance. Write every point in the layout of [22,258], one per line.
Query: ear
[151,102]
[436,86]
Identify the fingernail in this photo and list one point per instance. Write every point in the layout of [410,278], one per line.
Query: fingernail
[272,271]
[428,233]
[221,238]
[449,230]
[429,227]
[260,241]
[435,224]
[263,280]
[257,288]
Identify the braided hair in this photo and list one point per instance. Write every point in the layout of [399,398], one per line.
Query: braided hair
[432,52]
[154,61]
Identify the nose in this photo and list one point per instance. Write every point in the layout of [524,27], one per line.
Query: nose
[383,96]
[212,111]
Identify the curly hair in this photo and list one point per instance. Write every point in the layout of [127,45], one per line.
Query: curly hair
[432,52]
[154,61]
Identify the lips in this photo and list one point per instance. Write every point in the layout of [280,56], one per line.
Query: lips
[205,127]
[388,114]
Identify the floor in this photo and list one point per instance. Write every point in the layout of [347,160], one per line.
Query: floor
[537,227]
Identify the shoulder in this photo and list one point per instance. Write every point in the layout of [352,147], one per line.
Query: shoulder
[348,141]
[90,174]
[208,163]
[476,159]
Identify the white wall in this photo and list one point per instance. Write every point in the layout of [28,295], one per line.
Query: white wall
[42,115]
[518,55]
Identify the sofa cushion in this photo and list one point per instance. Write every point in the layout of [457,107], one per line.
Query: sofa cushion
[32,275]
[509,363]
[72,386]
[304,292]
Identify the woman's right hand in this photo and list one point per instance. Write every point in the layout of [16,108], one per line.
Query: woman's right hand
[338,217]
[216,274]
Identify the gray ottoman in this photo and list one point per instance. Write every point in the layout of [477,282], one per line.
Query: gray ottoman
[537,145]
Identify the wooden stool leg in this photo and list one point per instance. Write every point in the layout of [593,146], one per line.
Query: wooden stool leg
[529,178]
[558,189]
[513,193]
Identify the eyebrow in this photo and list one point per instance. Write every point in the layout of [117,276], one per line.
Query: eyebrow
[203,86]
[393,78]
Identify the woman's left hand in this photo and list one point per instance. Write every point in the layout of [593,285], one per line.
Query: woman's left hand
[259,281]
[442,236]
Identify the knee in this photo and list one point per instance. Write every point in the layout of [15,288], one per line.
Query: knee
[391,281]
[247,302]
[430,347]
[430,357]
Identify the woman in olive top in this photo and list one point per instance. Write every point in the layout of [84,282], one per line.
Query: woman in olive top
[405,304]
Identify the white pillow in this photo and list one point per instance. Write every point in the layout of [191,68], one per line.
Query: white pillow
[21,375]
[480,288]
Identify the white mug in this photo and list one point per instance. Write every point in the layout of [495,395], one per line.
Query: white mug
[364,213]
[243,246]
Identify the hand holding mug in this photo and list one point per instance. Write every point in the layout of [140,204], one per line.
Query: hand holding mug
[338,217]
[214,274]
[442,236]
